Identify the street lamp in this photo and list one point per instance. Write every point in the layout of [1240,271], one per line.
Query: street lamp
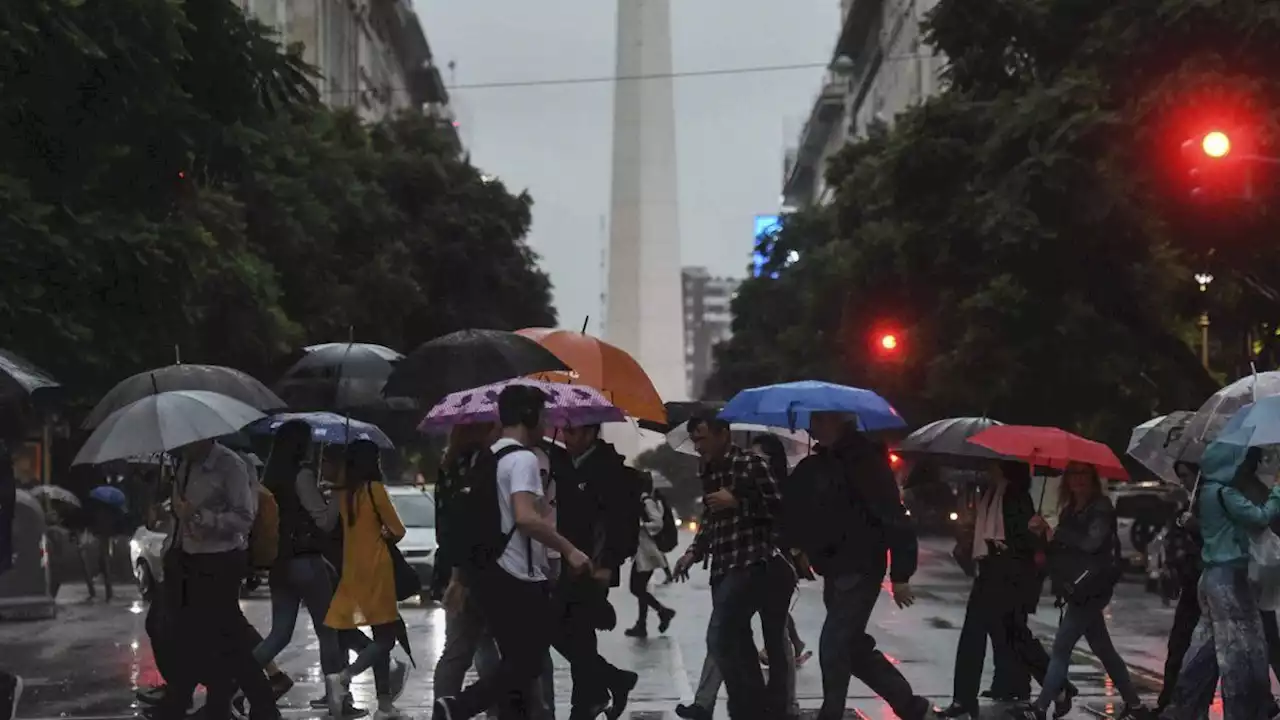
[1203,279]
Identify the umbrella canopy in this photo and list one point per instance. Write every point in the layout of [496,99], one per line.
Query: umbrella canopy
[790,405]
[1214,413]
[1139,431]
[679,412]
[1051,448]
[208,378]
[1254,425]
[54,493]
[604,367]
[467,359]
[326,427]
[1160,445]
[341,376]
[796,442]
[21,379]
[110,495]
[567,405]
[164,422]
[948,440]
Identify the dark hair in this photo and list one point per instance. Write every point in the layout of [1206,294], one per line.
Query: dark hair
[772,448]
[1017,474]
[521,405]
[705,418]
[288,451]
[364,466]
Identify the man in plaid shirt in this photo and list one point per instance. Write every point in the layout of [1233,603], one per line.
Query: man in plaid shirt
[749,572]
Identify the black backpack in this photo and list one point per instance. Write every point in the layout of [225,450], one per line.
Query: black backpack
[667,537]
[478,520]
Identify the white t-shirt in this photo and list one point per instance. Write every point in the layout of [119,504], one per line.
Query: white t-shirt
[518,472]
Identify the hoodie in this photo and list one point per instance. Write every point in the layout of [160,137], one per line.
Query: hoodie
[1227,518]
[594,509]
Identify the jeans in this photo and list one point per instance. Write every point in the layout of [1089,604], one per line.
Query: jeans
[377,655]
[846,650]
[736,596]
[301,580]
[1088,623]
[519,616]
[1228,638]
[710,680]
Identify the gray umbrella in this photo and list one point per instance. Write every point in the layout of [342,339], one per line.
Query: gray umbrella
[342,376]
[210,378]
[1207,422]
[164,422]
[20,379]
[948,441]
[1159,446]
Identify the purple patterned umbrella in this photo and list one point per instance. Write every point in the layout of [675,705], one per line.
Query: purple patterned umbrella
[567,405]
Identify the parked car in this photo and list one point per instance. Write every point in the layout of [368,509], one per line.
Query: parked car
[417,510]
[1142,511]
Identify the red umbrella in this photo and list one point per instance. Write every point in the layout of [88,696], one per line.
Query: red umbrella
[1050,447]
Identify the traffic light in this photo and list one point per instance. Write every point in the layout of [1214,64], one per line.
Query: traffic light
[886,345]
[1213,167]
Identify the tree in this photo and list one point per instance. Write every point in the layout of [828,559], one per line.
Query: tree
[1021,226]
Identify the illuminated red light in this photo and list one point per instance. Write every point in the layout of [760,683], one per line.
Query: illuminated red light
[1216,144]
[889,341]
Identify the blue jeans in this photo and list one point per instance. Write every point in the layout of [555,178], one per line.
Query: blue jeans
[1228,637]
[301,580]
[1088,623]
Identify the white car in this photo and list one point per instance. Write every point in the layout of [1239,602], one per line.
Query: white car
[146,548]
[417,510]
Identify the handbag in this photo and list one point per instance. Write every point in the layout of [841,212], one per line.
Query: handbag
[1096,583]
[407,581]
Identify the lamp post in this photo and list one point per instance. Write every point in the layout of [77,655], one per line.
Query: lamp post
[1203,279]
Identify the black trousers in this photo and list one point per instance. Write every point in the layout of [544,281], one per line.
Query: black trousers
[996,609]
[1011,677]
[202,612]
[764,588]
[639,586]
[579,603]
[521,619]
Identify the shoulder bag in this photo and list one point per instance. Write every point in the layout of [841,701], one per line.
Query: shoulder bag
[1098,581]
[407,581]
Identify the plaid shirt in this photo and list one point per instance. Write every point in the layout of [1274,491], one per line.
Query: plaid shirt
[745,535]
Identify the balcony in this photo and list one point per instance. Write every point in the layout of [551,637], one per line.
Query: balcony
[825,119]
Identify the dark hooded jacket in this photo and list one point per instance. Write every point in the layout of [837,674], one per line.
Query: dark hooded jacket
[594,507]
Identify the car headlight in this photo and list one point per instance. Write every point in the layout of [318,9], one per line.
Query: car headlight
[954,516]
[135,547]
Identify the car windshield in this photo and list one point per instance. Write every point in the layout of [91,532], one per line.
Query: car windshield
[417,509]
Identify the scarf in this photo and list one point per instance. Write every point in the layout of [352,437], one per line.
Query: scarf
[989,525]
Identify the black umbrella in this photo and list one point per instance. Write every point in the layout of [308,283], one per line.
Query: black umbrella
[679,412]
[467,359]
[20,379]
[341,376]
[211,378]
[948,441]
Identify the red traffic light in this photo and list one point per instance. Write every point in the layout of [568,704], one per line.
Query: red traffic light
[1216,144]
[894,459]
[888,342]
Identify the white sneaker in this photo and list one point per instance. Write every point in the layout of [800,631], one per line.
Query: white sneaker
[391,713]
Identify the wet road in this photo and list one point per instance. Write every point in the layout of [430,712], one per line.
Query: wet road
[86,663]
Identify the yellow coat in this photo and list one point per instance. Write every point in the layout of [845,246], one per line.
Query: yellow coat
[366,593]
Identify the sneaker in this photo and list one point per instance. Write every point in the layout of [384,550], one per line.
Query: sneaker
[1026,711]
[664,619]
[390,713]
[621,692]
[1134,712]
[636,631]
[10,694]
[693,711]
[442,709]
[349,709]
[959,710]
[398,675]
[1062,706]
[150,696]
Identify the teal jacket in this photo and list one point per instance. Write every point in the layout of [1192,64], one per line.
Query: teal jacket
[1227,518]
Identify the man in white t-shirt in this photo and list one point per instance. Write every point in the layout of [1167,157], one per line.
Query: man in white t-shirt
[514,597]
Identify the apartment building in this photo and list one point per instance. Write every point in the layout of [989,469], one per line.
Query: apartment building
[707,321]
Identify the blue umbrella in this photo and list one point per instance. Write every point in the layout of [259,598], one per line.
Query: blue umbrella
[110,496]
[790,405]
[1254,425]
[326,427]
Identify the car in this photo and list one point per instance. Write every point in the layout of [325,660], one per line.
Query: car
[1142,511]
[146,554]
[417,510]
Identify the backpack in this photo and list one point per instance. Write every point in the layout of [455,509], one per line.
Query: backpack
[477,516]
[667,537]
[264,536]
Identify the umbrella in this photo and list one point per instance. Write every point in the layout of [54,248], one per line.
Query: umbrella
[164,422]
[20,379]
[948,440]
[1050,447]
[54,493]
[326,427]
[604,367]
[791,404]
[1208,421]
[567,405]
[467,359]
[340,376]
[1140,431]
[209,378]
[796,442]
[679,412]
[1161,444]
[110,495]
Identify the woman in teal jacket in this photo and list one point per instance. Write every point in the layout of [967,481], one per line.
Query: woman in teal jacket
[1228,640]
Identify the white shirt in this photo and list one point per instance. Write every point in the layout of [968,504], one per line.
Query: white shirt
[519,472]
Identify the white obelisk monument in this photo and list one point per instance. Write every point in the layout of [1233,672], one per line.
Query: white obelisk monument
[644,309]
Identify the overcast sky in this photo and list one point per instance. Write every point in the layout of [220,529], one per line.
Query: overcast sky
[555,141]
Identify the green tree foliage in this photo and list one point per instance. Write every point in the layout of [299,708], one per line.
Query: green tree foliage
[169,180]
[1028,229]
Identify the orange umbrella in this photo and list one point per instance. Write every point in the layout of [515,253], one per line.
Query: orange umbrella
[604,367]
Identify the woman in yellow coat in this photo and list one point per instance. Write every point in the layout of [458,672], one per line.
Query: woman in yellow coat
[366,593]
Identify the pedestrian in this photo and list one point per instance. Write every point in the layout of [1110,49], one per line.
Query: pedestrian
[769,447]
[101,523]
[504,567]
[844,510]
[1230,639]
[648,558]
[214,502]
[1007,585]
[750,572]
[366,593]
[10,684]
[1084,563]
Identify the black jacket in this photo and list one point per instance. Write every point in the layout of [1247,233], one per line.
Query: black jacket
[854,495]
[1084,540]
[450,479]
[593,510]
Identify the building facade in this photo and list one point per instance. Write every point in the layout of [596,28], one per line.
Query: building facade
[707,320]
[372,55]
[881,66]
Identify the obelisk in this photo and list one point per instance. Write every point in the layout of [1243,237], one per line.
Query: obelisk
[644,310]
